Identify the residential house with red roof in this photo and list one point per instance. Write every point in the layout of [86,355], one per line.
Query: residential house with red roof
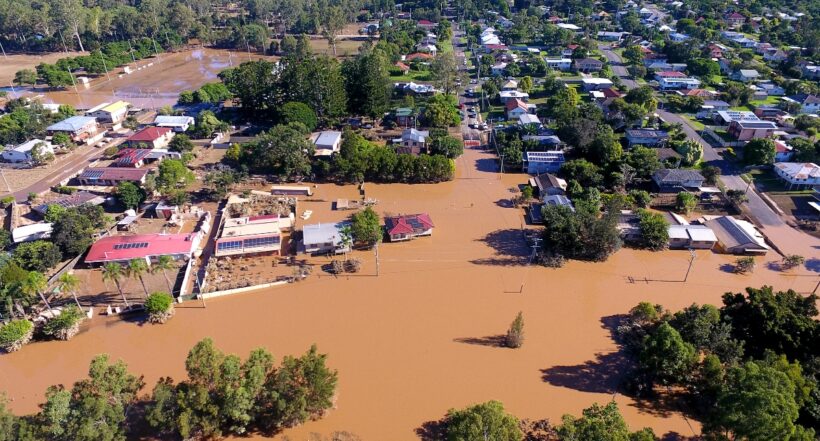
[402,67]
[150,247]
[134,158]
[418,56]
[111,176]
[150,138]
[406,227]
[735,20]
[516,108]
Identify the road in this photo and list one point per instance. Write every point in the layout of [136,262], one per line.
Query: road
[787,239]
[468,133]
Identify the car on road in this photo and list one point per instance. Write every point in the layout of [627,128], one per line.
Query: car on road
[474,81]
[484,126]
[472,114]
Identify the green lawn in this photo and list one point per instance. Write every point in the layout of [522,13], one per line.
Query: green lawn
[769,101]
[413,75]
[692,121]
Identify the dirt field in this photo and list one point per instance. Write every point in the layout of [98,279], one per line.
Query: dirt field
[13,63]
[418,339]
[156,83]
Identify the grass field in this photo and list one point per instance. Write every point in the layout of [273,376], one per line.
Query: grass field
[692,121]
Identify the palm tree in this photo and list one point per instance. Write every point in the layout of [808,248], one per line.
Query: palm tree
[346,238]
[135,269]
[164,263]
[69,282]
[36,283]
[113,271]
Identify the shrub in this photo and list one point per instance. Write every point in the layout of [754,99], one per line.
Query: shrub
[353,265]
[15,334]
[552,260]
[6,201]
[65,325]
[515,335]
[160,307]
[792,260]
[337,266]
[62,189]
[744,265]
[642,198]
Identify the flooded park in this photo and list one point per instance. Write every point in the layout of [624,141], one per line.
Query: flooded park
[420,337]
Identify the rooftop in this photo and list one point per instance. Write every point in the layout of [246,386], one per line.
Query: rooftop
[676,175]
[408,224]
[72,124]
[800,170]
[114,173]
[140,246]
[149,134]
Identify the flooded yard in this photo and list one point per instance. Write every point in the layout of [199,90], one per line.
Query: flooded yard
[418,339]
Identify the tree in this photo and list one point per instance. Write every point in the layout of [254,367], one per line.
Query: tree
[15,334]
[68,282]
[181,143]
[173,175]
[642,198]
[666,357]
[283,151]
[744,265]
[583,172]
[485,421]
[644,161]
[441,111]
[36,283]
[332,20]
[130,194]
[366,227]
[515,334]
[685,202]
[736,197]
[135,269]
[756,404]
[791,261]
[710,174]
[445,73]
[39,255]
[74,231]
[113,272]
[526,84]
[159,306]
[62,139]
[600,423]
[296,112]
[66,325]
[633,54]
[691,152]
[25,77]
[654,230]
[447,146]
[581,234]
[759,151]
[164,263]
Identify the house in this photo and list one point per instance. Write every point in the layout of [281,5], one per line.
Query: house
[26,151]
[748,130]
[71,201]
[547,184]
[703,93]
[563,64]
[178,124]
[596,84]
[112,176]
[771,89]
[325,238]
[692,236]
[427,48]
[402,67]
[678,83]
[327,143]
[808,103]
[543,162]
[727,116]
[412,141]
[252,235]
[289,190]
[416,89]
[775,55]
[426,24]
[783,152]
[404,117]
[406,227]
[111,113]
[516,108]
[588,65]
[418,56]
[148,247]
[647,137]
[611,36]
[510,85]
[629,226]
[678,37]
[507,95]
[81,129]
[570,27]
[717,105]
[498,69]
[735,20]
[811,72]
[668,74]
[558,200]
[129,157]
[736,236]
[150,138]
[529,119]
[675,180]
[770,113]
[544,139]
[798,174]
[746,75]
[28,233]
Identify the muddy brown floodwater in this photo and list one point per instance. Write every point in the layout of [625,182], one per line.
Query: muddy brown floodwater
[155,82]
[417,340]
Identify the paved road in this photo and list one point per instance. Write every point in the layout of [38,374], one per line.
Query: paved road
[66,167]
[787,239]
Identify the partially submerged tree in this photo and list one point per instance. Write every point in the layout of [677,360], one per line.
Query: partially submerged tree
[744,265]
[66,325]
[160,307]
[485,421]
[15,334]
[515,334]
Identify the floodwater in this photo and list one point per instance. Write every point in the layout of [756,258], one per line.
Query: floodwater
[418,339]
[154,82]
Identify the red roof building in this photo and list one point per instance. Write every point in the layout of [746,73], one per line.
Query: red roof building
[418,56]
[142,246]
[670,74]
[109,176]
[150,137]
[611,93]
[407,227]
[404,68]
[131,158]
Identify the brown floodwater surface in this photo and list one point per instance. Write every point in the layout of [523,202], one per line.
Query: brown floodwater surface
[418,339]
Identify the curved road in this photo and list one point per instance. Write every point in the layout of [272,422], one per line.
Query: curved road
[787,239]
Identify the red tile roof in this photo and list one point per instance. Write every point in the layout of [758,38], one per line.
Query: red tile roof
[402,66]
[419,55]
[149,134]
[131,157]
[408,224]
[515,103]
[611,93]
[671,74]
[140,246]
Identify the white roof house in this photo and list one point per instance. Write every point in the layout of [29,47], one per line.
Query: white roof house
[22,152]
[321,238]
[527,119]
[558,199]
[177,123]
[798,173]
[569,26]
[506,95]
[667,83]
[327,143]
[691,236]
[31,232]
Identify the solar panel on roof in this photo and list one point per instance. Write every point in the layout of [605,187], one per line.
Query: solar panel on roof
[93,174]
[128,246]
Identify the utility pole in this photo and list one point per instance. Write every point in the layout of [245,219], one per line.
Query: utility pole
[102,57]
[691,261]
[4,51]
[377,259]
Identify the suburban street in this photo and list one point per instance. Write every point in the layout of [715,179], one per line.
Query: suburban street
[787,239]
[64,167]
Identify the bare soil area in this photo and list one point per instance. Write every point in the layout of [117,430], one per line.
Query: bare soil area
[418,339]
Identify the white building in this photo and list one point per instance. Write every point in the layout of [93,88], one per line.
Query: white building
[325,238]
[112,113]
[28,233]
[691,236]
[596,83]
[23,152]
[176,123]
[798,173]
[559,63]
[327,143]
[671,83]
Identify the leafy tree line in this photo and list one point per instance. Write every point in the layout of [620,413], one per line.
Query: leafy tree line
[221,396]
[749,368]
[25,120]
